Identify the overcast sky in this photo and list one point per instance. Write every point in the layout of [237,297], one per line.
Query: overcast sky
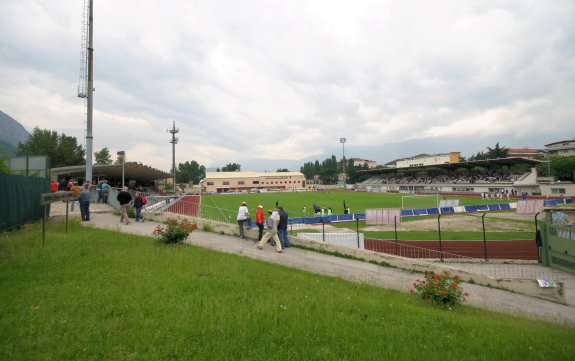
[255,80]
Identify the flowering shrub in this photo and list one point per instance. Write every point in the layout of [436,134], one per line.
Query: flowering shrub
[175,231]
[439,289]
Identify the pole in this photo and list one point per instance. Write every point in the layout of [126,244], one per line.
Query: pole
[90,95]
[123,167]
[357,231]
[395,229]
[484,239]
[439,233]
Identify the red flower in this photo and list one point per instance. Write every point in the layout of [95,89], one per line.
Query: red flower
[453,285]
[443,292]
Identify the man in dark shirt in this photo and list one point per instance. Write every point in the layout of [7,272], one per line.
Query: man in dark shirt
[282,227]
[124,199]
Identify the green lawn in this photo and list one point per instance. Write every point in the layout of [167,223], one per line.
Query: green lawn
[93,294]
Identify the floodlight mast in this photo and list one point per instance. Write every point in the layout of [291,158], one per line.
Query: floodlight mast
[342,141]
[174,141]
[85,90]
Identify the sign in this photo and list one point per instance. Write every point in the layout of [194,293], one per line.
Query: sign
[47,198]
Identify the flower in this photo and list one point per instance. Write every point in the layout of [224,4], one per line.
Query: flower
[175,231]
[440,289]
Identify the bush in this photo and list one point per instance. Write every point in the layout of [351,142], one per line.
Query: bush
[439,289]
[175,231]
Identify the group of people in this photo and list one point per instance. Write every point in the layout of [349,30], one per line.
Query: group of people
[275,226]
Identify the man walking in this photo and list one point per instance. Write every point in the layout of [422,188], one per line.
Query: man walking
[84,200]
[124,199]
[260,219]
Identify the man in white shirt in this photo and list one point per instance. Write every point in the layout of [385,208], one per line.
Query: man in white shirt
[243,217]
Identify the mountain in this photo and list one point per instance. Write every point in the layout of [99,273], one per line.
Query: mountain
[11,133]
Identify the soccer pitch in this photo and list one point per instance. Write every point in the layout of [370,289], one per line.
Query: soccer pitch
[293,202]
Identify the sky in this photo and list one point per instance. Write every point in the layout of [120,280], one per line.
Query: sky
[274,84]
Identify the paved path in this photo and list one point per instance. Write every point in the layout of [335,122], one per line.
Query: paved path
[356,271]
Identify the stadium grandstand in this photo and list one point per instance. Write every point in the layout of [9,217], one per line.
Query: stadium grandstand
[514,175]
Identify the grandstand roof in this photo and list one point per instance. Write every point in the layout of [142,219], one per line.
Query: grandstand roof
[450,166]
[132,170]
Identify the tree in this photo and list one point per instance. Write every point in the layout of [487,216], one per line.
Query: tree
[497,152]
[282,170]
[3,167]
[563,168]
[190,172]
[103,157]
[231,167]
[62,149]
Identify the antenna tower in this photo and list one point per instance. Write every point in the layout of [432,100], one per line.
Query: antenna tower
[174,141]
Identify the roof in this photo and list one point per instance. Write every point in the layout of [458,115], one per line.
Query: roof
[523,150]
[228,175]
[472,164]
[132,170]
[561,142]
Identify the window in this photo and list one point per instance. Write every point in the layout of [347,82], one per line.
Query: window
[240,182]
[226,183]
[210,183]
[557,190]
[256,182]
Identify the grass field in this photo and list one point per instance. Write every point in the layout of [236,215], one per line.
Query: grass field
[92,294]
[293,202]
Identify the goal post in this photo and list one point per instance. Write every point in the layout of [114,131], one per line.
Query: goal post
[420,201]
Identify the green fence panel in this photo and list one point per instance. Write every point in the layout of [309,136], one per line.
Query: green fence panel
[20,199]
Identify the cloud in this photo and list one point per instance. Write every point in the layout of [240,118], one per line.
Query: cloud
[285,80]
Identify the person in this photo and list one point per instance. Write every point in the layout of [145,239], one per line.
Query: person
[304,211]
[138,206]
[53,186]
[99,190]
[243,217]
[124,199]
[260,220]
[105,191]
[329,211]
[76,189]
[63,184]
[282,227]
[271,231]
[84,200]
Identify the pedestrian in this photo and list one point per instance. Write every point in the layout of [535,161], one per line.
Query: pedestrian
[138,204]
[304,211]
[84,200]
[124,199]
[53,186]
[76,189]
[243,217]
[282,227]
[271,231]
[105,191]
[260,220]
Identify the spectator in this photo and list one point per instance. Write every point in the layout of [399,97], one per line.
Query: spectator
[260,220]
[84,200]
[282,227]
[243,217]
[124,199]
[272,231]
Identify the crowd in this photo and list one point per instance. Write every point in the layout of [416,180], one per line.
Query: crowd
[275,226]
[462,179]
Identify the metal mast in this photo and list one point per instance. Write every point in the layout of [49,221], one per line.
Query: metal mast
[174,141]
[86,84]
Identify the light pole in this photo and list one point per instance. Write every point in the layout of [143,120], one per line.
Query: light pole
[123,154]
[342,141]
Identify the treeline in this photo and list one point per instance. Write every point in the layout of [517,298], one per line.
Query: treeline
[329,170]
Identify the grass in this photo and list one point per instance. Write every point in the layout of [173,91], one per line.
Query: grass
[93,294]
[293,202]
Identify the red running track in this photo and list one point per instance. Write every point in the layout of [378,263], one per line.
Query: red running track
[516,249]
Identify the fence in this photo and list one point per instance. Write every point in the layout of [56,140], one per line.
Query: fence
[557,233]
[20,197]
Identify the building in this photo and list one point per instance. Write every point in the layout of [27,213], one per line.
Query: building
[358,162]
[564,148]
[221,182]
[428,159]
[524,153]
